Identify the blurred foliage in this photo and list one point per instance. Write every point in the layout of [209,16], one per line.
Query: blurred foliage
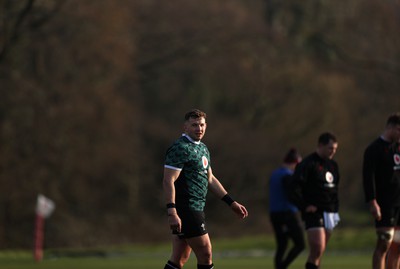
[93,92]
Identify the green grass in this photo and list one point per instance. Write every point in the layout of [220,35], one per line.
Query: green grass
[348,249]
[342,261]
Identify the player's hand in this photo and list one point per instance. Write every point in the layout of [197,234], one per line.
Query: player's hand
[375,209]
[175,223]
[240,210]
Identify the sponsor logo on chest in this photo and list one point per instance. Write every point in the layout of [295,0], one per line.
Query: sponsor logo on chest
[204,161]
[329,178]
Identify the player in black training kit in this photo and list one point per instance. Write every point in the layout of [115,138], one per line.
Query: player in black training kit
[315,193]
[381,181]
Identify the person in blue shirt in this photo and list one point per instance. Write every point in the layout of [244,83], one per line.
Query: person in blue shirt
[284,215]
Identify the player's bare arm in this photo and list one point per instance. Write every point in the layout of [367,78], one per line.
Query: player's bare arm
[216,187]
[375,209]
[170,176]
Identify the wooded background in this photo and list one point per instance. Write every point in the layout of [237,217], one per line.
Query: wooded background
[94,91]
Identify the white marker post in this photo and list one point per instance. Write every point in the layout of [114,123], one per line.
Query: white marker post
[44,208]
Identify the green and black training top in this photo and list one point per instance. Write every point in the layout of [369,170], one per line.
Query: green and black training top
[192,158]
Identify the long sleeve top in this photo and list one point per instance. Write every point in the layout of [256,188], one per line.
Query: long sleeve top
[381,172]
[315,182]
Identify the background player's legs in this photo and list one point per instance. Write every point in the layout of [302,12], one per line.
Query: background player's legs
[385,237]
[281,246]
[296,234]
[281,238]
[393,256]
[317,240]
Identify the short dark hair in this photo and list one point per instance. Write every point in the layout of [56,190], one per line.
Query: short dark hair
[292,156]
[324,138]
[195,114]
[393,119]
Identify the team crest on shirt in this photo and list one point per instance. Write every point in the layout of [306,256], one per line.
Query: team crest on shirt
[329,179]
[205,161]
[396,158]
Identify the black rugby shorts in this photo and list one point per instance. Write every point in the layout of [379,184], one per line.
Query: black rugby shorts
[390,217]
[313,220]
[193,224]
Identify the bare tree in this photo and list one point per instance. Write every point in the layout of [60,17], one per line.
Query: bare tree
[20,17]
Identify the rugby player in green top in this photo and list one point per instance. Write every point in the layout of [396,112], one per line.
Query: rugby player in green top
[187,178]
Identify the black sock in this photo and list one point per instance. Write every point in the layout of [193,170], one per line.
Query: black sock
[171,265]
[311,266]
[202,266]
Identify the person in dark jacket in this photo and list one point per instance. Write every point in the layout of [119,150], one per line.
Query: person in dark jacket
[283,214]
[381,181]
[315,185]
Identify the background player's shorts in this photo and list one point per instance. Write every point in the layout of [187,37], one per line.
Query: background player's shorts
[390,217]
[318,219]
[313,220]
[193,224]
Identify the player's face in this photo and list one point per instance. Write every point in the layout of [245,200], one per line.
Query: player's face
[328,151]
[195,128]
[396,133]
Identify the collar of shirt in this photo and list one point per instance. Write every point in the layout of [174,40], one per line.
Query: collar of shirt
[190,139]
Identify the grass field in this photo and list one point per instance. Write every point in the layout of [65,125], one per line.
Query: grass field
[356,261]
[342,261]
[347,250]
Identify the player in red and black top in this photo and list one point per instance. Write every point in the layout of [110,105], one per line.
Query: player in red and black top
[381,180]
[315,192]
